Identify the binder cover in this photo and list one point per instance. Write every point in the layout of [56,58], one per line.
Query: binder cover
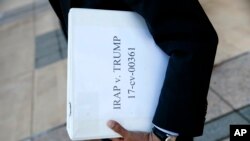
[115,71]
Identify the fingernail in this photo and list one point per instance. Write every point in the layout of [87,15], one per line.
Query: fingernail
[111,124]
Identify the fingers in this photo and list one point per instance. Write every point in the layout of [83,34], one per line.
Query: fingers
[117,128]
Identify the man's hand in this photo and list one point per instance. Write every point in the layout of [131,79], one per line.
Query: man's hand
[130,135]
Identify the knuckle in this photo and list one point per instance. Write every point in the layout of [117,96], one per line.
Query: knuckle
[116,126]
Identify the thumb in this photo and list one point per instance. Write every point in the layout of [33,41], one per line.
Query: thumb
[115,126]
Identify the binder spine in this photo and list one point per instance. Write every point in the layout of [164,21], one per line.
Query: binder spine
[70,93]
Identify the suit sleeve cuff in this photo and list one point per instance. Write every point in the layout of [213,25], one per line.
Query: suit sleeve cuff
[166,131]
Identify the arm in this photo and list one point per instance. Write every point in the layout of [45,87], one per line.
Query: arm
[183,31]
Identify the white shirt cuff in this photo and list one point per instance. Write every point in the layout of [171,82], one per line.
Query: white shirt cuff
[167,132]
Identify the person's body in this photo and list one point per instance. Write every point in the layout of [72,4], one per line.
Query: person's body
[183,31]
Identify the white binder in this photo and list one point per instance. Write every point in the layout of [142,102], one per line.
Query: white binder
[115,71]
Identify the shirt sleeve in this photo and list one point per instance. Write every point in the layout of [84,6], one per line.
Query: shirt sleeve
[166,131]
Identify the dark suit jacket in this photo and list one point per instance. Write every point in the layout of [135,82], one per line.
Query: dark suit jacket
[183,31]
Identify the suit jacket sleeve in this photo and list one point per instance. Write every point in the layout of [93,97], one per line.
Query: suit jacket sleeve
[183,31]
